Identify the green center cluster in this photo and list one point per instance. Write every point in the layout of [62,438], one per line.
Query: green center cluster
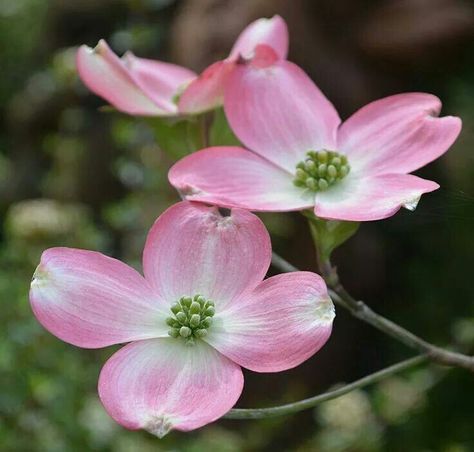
[192,316]
[321,169]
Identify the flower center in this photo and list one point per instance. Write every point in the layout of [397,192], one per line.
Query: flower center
[320,170]
[192,317]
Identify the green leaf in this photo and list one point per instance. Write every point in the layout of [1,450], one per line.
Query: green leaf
[220,133]
[329,234]
[178,137]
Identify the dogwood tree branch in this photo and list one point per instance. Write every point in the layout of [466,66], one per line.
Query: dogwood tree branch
[290,408]
[363,312]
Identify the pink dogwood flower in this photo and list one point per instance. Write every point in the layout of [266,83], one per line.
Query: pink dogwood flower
[146,87]
[300,155]
[200,312]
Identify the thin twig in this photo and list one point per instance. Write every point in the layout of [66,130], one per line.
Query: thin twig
[290,408]
[363,312]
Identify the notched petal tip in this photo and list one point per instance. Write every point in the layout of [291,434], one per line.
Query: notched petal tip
[39,276]
[263,56]
[100,48]
[222,217]
[326,311]
[159,426]
[187,191]
[224,211]
[411,205]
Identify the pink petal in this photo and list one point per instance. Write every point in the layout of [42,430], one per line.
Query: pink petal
[272,32]
[192,249]
[206,91]
[278,112]
[372,197]
[283,322]
[106,75]
[160,81]
[164,384]
[235,177]
[91,300]
[397,134]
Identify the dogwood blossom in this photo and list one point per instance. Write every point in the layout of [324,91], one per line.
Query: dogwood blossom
[201,310]
[300,156]
[140,86]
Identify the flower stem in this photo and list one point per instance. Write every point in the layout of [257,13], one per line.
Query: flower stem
[290,408]
[363,312]
[205,122]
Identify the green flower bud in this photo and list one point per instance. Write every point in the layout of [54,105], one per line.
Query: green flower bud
[206,323]
[175,308]
[332,171]
[210,311]
[182,317]
[185,331]
[323,184]
[186,301]
[174,332]
[195,320]
[171,322]
[195,308]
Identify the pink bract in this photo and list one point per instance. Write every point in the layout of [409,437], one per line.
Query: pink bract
[145,87]
[280,114]
[158,382]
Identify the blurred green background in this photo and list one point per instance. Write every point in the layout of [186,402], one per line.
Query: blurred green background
[73,175]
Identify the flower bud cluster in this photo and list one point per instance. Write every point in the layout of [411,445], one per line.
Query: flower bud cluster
[320,170]
[192,316]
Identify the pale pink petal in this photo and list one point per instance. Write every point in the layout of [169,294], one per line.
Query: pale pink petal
[161,82]
[371,198]
[106,75]
[397,134]
[193,249]
[235,177]
[283,322]
[206,91]
[91,300]
[272,32]
[163,384]
[278,112]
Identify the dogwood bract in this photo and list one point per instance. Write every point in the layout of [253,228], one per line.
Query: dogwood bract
[141,86]
[301,156]
[200,312]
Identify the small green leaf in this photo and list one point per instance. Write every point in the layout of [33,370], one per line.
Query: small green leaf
[220,133]
[177,137]
[329,234]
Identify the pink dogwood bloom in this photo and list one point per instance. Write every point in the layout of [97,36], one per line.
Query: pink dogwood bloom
[141,86]
[300,155]
[200,312]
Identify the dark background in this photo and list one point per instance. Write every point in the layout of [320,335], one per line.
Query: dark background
[73,175]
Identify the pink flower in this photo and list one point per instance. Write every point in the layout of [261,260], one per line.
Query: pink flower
[301,156]
[201,311]
[140,86]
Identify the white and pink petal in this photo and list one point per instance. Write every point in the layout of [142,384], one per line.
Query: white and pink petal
[280,324]
[106,75]
[397,134]
[372,197]
[206,91]
[160,81]
[163,384]
[195,249]
[272,32]
[276,110]
[236,177]
[91,300]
